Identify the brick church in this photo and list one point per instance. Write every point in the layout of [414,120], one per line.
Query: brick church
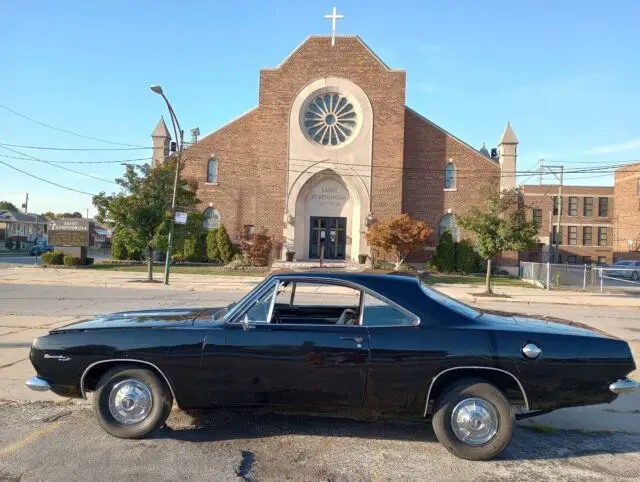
[332,147]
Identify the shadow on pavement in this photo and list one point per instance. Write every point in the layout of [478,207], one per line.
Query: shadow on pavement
[222,424]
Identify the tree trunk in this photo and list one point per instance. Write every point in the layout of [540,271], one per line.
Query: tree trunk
[399,261]
[488,279]
[150,265]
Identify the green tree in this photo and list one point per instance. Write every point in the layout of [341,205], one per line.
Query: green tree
[141,211]
[118,248]
[213,254]
[445,257]
[194,237]
[49,215]
[501,226]
[467,260]
[224,244]
[9,206]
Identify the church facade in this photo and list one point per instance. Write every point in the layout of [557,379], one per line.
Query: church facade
[330,149]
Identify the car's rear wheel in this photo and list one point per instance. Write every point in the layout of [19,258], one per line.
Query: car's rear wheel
[634,276]
[131,402]
[473,419]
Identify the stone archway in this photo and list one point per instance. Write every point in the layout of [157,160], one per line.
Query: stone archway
[322,206]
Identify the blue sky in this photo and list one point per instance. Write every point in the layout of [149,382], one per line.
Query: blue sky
[564,73]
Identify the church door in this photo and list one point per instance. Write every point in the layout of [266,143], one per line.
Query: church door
[330,233]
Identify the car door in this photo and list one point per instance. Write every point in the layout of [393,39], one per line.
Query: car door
[288,363]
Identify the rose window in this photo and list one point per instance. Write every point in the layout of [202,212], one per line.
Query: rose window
[330,119]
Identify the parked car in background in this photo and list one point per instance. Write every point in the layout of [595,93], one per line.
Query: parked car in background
[39,249]
[381,345]
[626,269]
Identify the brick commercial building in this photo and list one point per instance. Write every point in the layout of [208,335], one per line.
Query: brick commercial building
[330,148]
[626,194]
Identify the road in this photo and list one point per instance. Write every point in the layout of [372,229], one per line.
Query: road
[20,260]
[57,440]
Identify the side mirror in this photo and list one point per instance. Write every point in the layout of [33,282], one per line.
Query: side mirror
[245,323]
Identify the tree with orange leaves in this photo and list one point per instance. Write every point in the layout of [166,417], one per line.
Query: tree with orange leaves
[399,236]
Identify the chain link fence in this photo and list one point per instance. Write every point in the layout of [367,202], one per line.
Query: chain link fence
[581,277]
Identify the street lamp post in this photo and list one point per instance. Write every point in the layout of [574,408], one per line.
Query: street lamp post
[177,131]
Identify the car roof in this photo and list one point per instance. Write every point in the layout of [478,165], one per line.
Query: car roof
[401,288]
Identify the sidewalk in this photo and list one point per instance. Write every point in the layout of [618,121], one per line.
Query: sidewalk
[188,282]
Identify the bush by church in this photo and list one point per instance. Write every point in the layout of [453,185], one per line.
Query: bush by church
[455,257]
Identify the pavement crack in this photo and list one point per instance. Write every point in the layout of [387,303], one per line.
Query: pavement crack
[56,416]
[246,466]
[13,363]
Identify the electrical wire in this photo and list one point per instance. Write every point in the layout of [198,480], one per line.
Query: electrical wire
[81,162]
[45,180]
[60,129]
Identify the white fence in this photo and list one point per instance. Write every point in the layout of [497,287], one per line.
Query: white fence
[582,277]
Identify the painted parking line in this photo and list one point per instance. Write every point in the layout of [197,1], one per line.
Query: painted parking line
[29,439]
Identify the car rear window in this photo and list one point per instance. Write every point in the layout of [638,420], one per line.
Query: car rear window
[449,302]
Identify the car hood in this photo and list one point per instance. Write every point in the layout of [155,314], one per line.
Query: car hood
[136,319]
[539,324]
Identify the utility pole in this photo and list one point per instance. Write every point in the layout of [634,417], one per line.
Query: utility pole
[558,172]
[26,203]
[541,171]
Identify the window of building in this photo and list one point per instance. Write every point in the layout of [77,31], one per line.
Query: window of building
[450,176]
[211,218]
[573,206]
[587,209]
[572,259]
[537,217]
[448,223]
[553,235]
[603,207]
[587,235]
[602,236]
[586,260]
[212,171]
[602,260]
[573,235]
[555,205]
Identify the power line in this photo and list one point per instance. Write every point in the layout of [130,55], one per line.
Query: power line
[80,162]
[60,167]
[60,129]
[43,148]
[46,180]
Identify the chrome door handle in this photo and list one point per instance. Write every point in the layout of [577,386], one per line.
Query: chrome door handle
[357,339]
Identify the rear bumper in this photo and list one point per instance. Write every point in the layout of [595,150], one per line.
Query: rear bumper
[625,386]
[38,384]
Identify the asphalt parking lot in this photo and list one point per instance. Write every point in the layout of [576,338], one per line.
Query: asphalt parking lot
[57,440]
[46,441]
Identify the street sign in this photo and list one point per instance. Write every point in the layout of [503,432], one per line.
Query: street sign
[181,218]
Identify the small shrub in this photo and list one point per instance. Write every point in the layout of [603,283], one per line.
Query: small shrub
[224,245]
[89,261]
[257,248]
[118,249]
[213,253]
[177,258]
[9,244]
[53,258]
[72,261]
[193,249]
[445,257]
[467,260]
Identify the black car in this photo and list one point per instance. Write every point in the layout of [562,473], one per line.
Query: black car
[378,344]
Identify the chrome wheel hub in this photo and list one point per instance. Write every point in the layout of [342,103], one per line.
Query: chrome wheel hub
[130,401]
[474,421]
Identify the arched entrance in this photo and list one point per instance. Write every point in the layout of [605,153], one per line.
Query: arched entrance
[327,218]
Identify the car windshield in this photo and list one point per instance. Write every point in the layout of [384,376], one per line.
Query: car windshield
[230,310]
[622,263]
[449,302]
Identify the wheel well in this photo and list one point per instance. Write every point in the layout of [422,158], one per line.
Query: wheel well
[503,380]
[93,374]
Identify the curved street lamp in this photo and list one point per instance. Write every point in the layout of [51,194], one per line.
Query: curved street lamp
[177,131]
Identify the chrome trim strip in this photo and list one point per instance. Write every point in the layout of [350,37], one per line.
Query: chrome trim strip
[128,360]
[524,394]
[625,386]
[38,384]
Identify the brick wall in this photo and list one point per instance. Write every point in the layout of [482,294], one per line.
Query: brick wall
[626,194]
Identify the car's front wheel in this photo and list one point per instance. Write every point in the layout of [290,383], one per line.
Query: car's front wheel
[131,402]
[473,419]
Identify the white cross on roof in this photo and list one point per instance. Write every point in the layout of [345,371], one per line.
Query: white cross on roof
[333,17]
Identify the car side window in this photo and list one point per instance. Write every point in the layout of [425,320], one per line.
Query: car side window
[377,312]
[259,310]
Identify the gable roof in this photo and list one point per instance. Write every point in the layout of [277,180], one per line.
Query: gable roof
[17,216]
[468,146]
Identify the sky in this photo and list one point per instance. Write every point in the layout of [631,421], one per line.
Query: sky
[566,74]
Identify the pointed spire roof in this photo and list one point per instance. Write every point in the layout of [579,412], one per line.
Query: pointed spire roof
[161,129]
[483,150]
[508,136]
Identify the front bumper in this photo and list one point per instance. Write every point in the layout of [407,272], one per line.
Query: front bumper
[38,384]
[625,386]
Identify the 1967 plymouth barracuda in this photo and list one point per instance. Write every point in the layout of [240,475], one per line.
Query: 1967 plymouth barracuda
[382,345]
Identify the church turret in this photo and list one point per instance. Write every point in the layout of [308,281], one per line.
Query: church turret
[161,141]
[508,151]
